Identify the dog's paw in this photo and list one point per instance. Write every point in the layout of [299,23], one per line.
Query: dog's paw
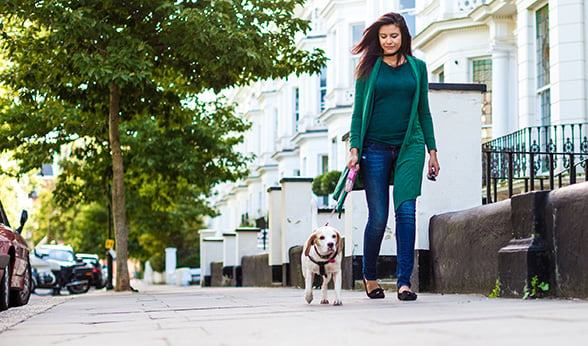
[308,298]
[324,301]
[337,302]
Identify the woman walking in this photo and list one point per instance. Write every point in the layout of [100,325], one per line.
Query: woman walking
[390,127]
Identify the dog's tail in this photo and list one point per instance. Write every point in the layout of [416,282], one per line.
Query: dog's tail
[313,214]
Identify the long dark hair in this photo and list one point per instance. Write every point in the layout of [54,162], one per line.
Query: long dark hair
[369,45]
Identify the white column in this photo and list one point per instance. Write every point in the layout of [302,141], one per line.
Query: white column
[296,213]
[453,111]
[229,249]
[586,56]
[355,221]
[275,226]
[568,61]
[246,242]
[503,89]
[170,265]
[204,233]
[502,93]
[341,55]
[526,56]
[210,251]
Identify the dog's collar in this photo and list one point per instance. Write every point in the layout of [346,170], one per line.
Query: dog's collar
[322,264]
[324,256]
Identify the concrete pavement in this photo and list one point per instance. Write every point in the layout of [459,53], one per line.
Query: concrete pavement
[170,315]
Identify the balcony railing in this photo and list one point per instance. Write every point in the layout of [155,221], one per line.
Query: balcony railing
[529,158]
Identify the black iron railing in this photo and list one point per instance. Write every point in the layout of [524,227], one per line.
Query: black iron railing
[529,158]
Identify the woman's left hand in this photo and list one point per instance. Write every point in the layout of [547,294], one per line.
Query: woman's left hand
[433,163]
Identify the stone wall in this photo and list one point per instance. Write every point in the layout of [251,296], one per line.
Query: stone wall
[216,274]
[566,216]
[464,248]
[256,271]
[542,234]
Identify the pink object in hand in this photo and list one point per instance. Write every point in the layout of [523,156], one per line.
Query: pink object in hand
[350,180]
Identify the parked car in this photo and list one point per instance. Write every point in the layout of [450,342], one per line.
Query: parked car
[56,268]
[98,277]
[15,268]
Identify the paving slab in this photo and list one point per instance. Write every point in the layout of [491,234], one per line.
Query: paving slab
[171,315]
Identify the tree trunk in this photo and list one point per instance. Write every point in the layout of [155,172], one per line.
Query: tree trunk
[118,193]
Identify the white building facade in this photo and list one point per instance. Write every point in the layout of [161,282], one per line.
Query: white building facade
[531,54]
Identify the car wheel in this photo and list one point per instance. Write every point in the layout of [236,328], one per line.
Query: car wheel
[5,289]
[21,297]
[101,284]
[79,288]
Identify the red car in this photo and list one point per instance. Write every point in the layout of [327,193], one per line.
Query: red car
[15,269]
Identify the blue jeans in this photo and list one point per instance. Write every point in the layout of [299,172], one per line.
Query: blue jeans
[377,163]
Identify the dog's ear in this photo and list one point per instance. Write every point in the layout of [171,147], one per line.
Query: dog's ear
[309,243]
[340,242]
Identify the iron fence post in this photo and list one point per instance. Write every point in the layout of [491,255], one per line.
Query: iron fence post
[488,179]
[532,170]
[510,173]
[551,170]
[572,169]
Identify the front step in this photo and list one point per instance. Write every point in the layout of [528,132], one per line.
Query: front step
[518,186]
[386,284]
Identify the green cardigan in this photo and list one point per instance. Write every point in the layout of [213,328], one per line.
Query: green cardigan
[408,174]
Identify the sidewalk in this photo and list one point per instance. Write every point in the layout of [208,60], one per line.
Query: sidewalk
[170,315]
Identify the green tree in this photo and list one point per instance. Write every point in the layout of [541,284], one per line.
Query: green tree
[92,73]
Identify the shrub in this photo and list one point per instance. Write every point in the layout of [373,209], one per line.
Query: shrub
[188,258]
[324,184]
[157,263]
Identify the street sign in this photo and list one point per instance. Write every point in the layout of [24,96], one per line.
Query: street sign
[109,243]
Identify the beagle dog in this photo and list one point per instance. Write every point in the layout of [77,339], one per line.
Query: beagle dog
[322,255]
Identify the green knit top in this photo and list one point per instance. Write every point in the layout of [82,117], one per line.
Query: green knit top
[395,87]
[407,175]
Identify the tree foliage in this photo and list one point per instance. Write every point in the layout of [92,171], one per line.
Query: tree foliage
[118,83]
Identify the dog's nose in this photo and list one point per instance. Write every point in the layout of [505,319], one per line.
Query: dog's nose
[330,245]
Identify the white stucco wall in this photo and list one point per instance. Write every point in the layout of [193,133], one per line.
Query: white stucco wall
[246,243]
[229,249]
[296,218]
[457,123]
[211,250]
[275,226]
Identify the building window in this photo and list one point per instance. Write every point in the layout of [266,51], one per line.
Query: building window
[439,74]
[482,74]
[296,108]
[323,88]
[408,11]
[324,163]
[356,34]
[543,71]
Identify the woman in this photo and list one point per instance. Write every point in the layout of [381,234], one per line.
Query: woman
[390,126]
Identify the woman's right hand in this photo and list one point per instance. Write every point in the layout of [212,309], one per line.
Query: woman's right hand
[353,159]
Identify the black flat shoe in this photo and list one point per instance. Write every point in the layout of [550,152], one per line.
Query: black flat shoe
[407,295]
[376,293]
